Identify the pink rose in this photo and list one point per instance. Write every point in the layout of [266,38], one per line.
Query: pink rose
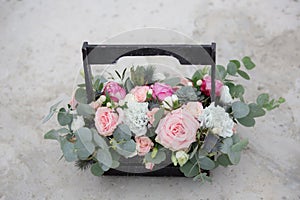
[143,145]
[151,114]
[194,108]
[115,91]
[206,86]
[177,131]
[149,165]
[140,93]
[162,90]
[106,120]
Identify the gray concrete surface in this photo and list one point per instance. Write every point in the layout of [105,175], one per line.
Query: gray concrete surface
[40,57]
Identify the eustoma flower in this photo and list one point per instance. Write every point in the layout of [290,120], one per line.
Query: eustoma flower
[162,90]
[115,91]
[177,131]
[206,86]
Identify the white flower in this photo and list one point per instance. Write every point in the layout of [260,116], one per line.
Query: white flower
[218,120]
[102,98]
[108,104]
[174,97]
[199,82]
[182,157]
[168,103]
[77,123]
[136,117]
[150,91]
[128,97]
[225,97]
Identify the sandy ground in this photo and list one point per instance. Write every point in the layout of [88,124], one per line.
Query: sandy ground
[40,57]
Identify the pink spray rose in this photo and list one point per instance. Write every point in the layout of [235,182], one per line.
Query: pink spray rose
[151,114]
[115,91]
[177,131]
[194,108]
[162,90]
[106,120]
[206,86]
[143,145]
[140,93]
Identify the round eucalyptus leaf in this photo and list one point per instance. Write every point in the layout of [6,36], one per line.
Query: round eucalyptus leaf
[240,109]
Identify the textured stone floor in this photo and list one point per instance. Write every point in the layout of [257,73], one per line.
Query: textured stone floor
[40,57]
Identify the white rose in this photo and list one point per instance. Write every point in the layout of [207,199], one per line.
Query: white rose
[168,103]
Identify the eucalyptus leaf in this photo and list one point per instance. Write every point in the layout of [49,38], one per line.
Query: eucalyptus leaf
[68,150]
[248,63]
[224,160]
[159,157]
[52,135]
[99,140]
[104,156]
[243,74]
[240,145]
[262,99]
[226,146]
[232,68]
[256,110]
[236,62]
[206,163]
[246,121]
[157,116]
[190,168]
[122,132]
[85,109]
[221,72]
[234,157]
[80,95]
[96,169]
[126,149]
[63,117]
[51,112]
[84,150]
[240,109]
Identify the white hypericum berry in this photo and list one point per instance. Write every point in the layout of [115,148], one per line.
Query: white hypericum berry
[199,82]
[102,98]
[108,104]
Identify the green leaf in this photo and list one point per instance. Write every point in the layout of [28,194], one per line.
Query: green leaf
[243,74]
[85,110]
[159,157]
[197,76]
[221,72]
[187,93]
[246,121]
[240,145]
[51,112]
[206,163]
[52,135]
[84,144]
[84,134]
[118,74]
[99,140]
[232,68]
[236,62]
[262,99]
[281,100]
[96,169]
[63,117]
[256,111]
[80,95]
[128,85]
[122,132]
[223,160]
[248,63]
[190,168]
[103,156]
[240,109]
[234,157]
[126,149]
[172,81]
[157,116]
[68,150]
[226,146]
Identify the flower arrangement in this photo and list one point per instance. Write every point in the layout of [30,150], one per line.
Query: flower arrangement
[156,118]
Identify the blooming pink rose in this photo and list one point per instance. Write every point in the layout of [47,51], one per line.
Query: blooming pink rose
[206,86]
[115,91]
[149,165]
[177,131]
[194,108]
[140,93]
[106,120]
[143,145]
[162,90]
[151,114]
